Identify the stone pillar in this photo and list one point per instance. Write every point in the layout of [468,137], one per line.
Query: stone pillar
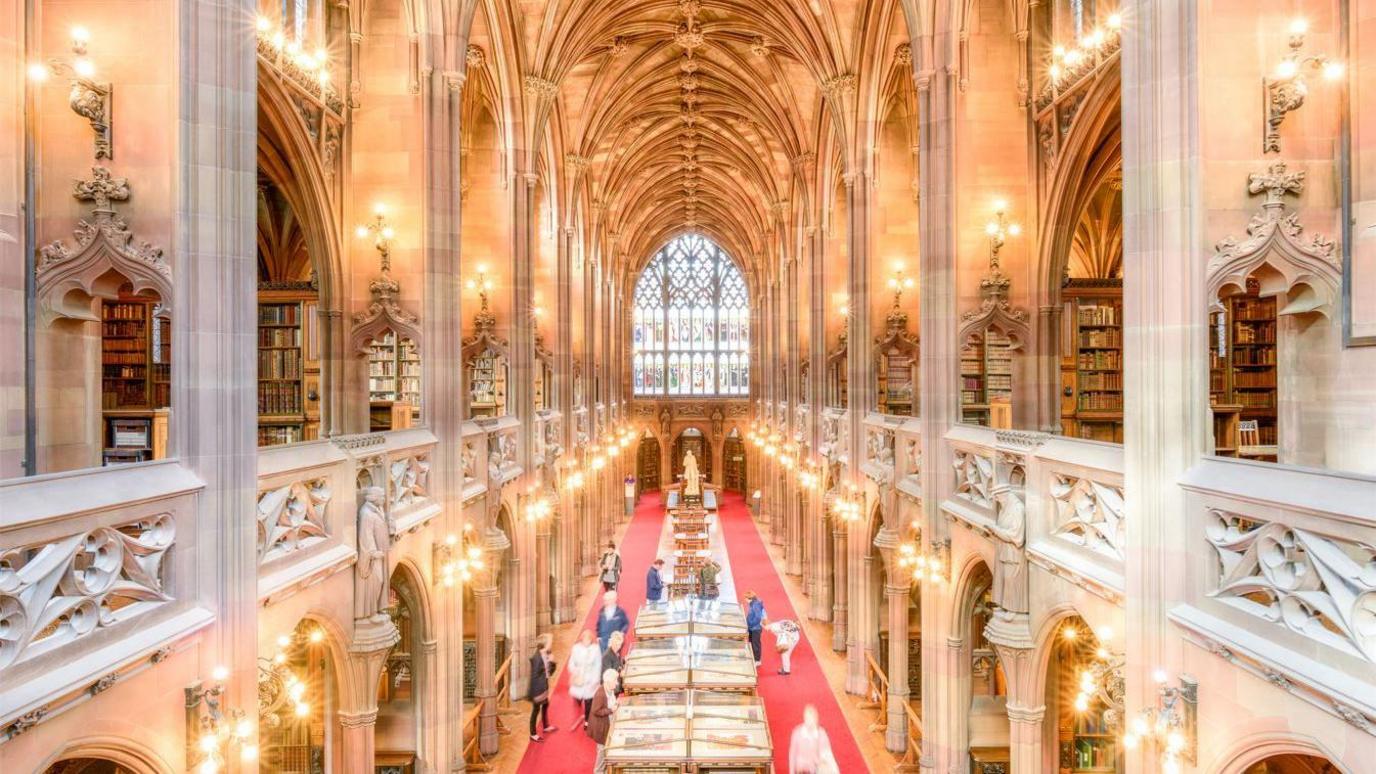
[1025,737]
[542,577]
[357,732]
[896,736]
[1011,637]
[838,594]
[793,534]
[485,600]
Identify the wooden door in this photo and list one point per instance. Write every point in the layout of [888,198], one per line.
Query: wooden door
[733,464]
[647,465]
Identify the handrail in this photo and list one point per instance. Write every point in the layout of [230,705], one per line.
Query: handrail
[878,691]
[914,733]
[472,756]
[504,684]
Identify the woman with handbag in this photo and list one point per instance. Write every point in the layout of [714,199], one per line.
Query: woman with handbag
[585,671]
[541,667]
[787,635]
[610,565]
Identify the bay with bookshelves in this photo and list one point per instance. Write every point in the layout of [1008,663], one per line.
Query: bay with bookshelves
[285,365]
[1092,359]
[1242,375]
[136,378]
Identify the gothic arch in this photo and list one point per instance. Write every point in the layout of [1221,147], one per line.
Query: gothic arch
[1254,748]
[128,753]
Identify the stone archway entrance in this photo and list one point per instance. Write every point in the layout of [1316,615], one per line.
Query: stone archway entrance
[733,462]
[693,440]
[647,465]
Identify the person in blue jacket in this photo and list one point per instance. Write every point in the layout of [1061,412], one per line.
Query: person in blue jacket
[755,616]
[654,582]
[611,618]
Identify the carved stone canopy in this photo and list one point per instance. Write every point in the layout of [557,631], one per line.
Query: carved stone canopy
[105,257]
[995,312]
[384,313]
[1303,268]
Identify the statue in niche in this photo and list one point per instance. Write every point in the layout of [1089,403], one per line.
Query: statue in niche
[664,421]
[717,421]
[374,541]
[1010,577]
[691,486]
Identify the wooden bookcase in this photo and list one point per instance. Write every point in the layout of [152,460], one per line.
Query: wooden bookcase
[1092,360]
[1243,376]
[986,378]
[288,367]
[136,379]
[487,382]
[838,380]
[896,358]
[393,382]
[1094,745]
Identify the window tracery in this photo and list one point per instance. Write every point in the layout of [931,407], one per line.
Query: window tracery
[690,328]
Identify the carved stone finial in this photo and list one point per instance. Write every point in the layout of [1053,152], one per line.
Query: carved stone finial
[1275,182]
[903,55]
[838,85]
[102,189]
[474,57]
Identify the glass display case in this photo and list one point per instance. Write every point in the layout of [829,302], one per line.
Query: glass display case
[684,617]
[679,663]
[676,732]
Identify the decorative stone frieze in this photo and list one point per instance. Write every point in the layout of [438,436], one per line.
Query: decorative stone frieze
[1089,514]
[292,517]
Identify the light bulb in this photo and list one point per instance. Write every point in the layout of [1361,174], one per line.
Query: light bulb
[283,641]
[243,729]
[317,635]
[1170,766]
[1175,741]
[302,709]
[991,228]
[1000,205]
[38,72]
[262,23]
[1129,741]
[388,232]
[1139,727]
[208,766]
[294,48]
[324,76]
[1104,633]
[1070,633]
[80,36]
[1014,229]
[1058,52]
[321,56]
[84,67]
[361,232]
[219,674]
[1073,57]
[1115,21]
[248,753]
[1333,70]
[1158,676]
[1286,69]
[278,40]
[1299,26]
[207,742]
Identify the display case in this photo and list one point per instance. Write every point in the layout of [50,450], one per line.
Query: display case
[678,663]
[677,732]
[684,617]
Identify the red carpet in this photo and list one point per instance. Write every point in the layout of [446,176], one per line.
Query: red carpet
[784,697]
[570,749]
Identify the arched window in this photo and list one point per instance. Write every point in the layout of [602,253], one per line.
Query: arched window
[692,314]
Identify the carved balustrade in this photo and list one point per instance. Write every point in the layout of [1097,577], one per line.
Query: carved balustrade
[502,466]
[1285,581]
[880,447]
[835,435]
[908,459]
[97,583]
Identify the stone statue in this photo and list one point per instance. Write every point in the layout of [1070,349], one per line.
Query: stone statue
[664,422]
[370,591]
[718,420]
[1010,577]
[691,486]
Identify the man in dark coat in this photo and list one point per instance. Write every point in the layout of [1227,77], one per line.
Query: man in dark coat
[654,582]
[600,723]
[541,666]
[611,618]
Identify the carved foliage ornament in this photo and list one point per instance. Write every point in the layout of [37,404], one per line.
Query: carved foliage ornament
[384,313]
[57,592]
[1311,273]
[974,478]
[1089,514]
[103,243]
[1320,586]
[292,517]
[408,480]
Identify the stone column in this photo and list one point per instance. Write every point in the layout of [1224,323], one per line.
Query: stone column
[542,577]
[1025,737]
[839,593]
[1012,640]
[357,732]
[896,736]
[485,601]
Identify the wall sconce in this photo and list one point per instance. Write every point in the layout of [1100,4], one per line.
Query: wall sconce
[999,229]
[1286,89]
[382,233]
[537,508]
[847,507]
[1069,61]
[1173,724]
[482,284]
[213,730]
[929,566]
[899,283]
[88,98]
[458,560]
[315,64]
[808,476]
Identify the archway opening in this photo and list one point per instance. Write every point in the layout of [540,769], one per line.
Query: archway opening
[692,440]
[298,702]
[733,462]
[647,464]
[988,719]
[1293,763]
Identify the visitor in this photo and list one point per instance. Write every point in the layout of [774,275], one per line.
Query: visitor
[610,565]
[654,582]
[585,671]
[787,635]
[612,659]
[809,749]
[600,724]
[708,588]
[541,667]
[755,617]
[611,619]
[630,495]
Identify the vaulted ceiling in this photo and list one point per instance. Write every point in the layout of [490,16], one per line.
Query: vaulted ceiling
[688,115]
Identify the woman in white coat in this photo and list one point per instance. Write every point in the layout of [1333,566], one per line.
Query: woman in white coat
[786,638]
[585,671]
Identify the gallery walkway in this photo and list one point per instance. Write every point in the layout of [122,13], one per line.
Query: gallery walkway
[570,750]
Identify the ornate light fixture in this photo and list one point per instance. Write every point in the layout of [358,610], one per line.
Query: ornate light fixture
[538,508]
[847,507]
[315,64]
[809,475]
[899,283]
[1172,725]
[459,559]
[481,283]
[88,98]
[999,229]
[213,730]
[1286,88]
[1069,61]
[926,566]
[382,233]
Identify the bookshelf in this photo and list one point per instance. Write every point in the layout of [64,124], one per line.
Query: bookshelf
[1243,375]
[136,379]
[986,378]
[1094,746]
[288,367]
[1092,359]
[487,382]
[393,382]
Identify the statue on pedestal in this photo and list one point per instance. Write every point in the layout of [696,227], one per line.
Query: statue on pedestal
[692,487]
[1010,576]
[370,591]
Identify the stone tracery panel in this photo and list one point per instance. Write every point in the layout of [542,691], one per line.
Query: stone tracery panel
[974,478]
[292,517]
[1089,514]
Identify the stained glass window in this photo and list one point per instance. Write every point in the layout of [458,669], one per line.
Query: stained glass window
[691,323]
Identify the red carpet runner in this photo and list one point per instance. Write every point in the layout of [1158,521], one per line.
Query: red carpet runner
[784,697]
[570,750]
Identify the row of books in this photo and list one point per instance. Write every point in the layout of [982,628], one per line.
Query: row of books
[123,372]
[1107,337]
[1262,356]
[1111,359]
[1100,401]
[1098,315]
[279,314]
[999,382]
[1263,309]
[279,337]
[121,328]
[1101,380]
[124,311]
[278,398]
[124,345]
[1265,400]
[122,358]
[117,394]
[1254,379]
[279,364]
[275,435]
[1254,333]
